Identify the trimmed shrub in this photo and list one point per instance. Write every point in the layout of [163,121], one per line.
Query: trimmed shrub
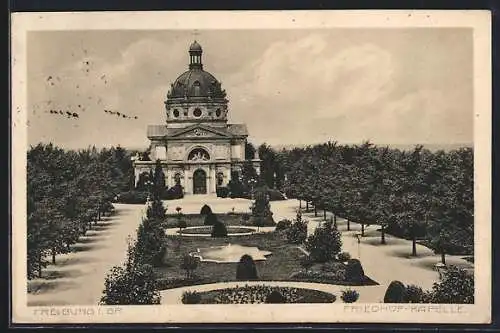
[222,192]
[191,297]
[354,271]
[246,269]
[395,293]
[275,297]
[219,230]
[283,225]
[349,296]
[343,256]
[275,195]
[205,210]
[175,192]
[132,197]
[210,219]
[414,294]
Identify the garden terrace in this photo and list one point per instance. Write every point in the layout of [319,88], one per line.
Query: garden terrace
[282,265]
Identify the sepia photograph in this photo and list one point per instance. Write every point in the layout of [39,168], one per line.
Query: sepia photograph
[218,167]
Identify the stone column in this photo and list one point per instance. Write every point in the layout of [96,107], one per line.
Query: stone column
[169,178]
[213,179]
[187,185]
[209,173]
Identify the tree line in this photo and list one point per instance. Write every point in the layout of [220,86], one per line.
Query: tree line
[416,194]
[68,192]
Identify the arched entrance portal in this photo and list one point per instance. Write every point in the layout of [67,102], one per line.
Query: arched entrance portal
[199,182]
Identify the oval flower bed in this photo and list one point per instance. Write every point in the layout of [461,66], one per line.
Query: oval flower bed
[207,230]
[258,294]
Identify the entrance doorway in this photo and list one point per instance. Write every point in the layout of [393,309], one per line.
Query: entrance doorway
[199,182]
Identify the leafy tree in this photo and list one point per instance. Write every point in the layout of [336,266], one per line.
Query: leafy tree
[133,284]
[456,287]
[324,244]
[189,264]
[219,230]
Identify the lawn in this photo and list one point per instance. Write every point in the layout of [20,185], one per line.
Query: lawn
[194,220]
[279,266]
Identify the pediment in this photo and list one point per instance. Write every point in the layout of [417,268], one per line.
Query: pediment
[199,131]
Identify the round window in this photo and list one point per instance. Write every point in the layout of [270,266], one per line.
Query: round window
[176,113]
[197,113]
[218,112]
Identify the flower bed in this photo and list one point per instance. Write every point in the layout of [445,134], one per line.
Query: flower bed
[207,230]
[258,294]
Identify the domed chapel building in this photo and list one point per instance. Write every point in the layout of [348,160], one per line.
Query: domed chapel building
[197,147]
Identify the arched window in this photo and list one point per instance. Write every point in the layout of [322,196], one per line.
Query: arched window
[177,178]
[176,113]
[198,154]
[218,112]
[196,88]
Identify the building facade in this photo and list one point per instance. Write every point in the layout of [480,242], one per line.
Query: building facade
[197,147]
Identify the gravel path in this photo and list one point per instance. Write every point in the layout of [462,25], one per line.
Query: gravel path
[78,277]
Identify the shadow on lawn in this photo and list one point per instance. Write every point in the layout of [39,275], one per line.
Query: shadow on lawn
[84,247]
[43,286]
[74,260]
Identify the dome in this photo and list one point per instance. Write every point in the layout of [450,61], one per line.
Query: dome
[195,47]
[196,82]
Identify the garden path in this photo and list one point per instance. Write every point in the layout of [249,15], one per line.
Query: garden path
[78,277]
[382,263]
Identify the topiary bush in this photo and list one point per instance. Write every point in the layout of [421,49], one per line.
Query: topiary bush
[395,293]
[275,297]
[132,197]
[349,296]
[354,271]
[219,230]
[246,269]
[275,195]
[283,225]
[210,219]
[175,192]
[222,192]
[205,210]
[191,297]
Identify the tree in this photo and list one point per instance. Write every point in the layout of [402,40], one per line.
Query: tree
[456,287]
[133,284]
[189,264]
[158,181]
[324,244]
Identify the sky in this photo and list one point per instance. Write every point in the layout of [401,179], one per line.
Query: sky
[389,86]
